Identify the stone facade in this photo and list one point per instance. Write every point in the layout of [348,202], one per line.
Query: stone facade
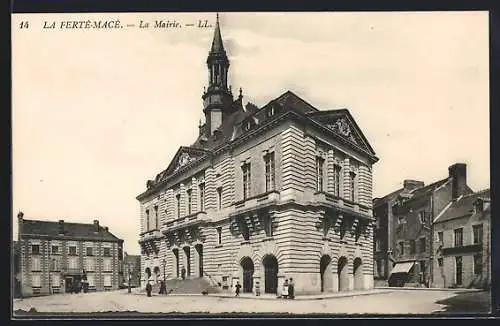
[287,194]
[54,255]
[406,219]
[463,246]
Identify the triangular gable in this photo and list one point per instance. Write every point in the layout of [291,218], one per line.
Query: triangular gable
[183,157]
[342,123]
[290,100]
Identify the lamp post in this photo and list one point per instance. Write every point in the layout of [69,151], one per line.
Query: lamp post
[129,277]
[164,276]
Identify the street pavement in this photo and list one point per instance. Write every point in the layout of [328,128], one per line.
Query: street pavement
[376,301]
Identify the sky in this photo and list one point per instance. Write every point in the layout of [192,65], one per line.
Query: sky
[96,113]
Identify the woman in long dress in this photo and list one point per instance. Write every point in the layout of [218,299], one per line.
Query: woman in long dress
[285,290]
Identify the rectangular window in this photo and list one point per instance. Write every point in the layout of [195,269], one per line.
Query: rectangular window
[421,217]
[478,264]
[36,280]
[156,217]
[56,264]
[377,244]
[35,249]
[219,198]
[440,262]
[412,247]
[422,244]
[269,226]
[319,173]
[147,219]
[72,250]
[91,280]
[35,264]
[89,264]
[401,248]
[336,179]
[219,235]
[202,197]
[55,250]
[106,252]
[189,200]
[89,251]
[270,171]
[246,180]
[107,280]
[440,237]
[352,185]
[458,233]
[458,270]
[106,265]
[56,280]
[178,201]
[478,233]
[73,263]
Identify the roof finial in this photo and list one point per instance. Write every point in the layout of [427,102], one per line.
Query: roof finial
[241,92]
[217,18]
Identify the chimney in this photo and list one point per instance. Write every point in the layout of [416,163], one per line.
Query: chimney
[61,226]
[19,225]
[106,228]
[458,175]
[96,224]
[412,184]
[479,205]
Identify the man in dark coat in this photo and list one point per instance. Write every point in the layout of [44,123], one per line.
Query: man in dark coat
[149,288]
[291,289]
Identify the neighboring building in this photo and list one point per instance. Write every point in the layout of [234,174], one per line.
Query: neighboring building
[409,256]
[383,233]
[262,195]
[462,242]
[132,264]
[56,256]
[16,273]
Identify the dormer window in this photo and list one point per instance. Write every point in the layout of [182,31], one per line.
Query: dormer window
[270,112]
[247,126]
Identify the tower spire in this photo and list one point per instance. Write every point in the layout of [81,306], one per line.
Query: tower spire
[217,46]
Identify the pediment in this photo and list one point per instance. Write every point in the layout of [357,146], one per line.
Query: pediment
[342,124]
[184,157]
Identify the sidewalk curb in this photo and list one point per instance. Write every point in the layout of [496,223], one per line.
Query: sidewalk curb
[427,289]
[297,298]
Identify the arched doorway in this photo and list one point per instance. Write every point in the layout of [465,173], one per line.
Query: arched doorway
[199,250]
[176,254]
[247,265]
[342,272]
[187,253]
[148,273]
[325,270]
[270,274]
[156,270]
[358,274]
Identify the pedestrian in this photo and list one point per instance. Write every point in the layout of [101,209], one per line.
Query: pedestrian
[238,287]
[291,289]
[148,288]
[183,273]
[284,294]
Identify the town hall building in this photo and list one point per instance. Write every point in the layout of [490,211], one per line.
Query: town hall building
[262,195]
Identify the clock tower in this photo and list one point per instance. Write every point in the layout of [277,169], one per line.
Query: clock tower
[217,98]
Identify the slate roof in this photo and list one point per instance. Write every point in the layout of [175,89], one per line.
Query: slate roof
[463,206]
[72,230]
[387,198]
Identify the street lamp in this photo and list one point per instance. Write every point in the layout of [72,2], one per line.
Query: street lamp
[164,263]
[129,277]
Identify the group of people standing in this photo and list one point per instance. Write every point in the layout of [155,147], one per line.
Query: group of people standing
[163,288]
[288,289]
[287,293]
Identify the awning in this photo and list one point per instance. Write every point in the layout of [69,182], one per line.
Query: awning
[403,267]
